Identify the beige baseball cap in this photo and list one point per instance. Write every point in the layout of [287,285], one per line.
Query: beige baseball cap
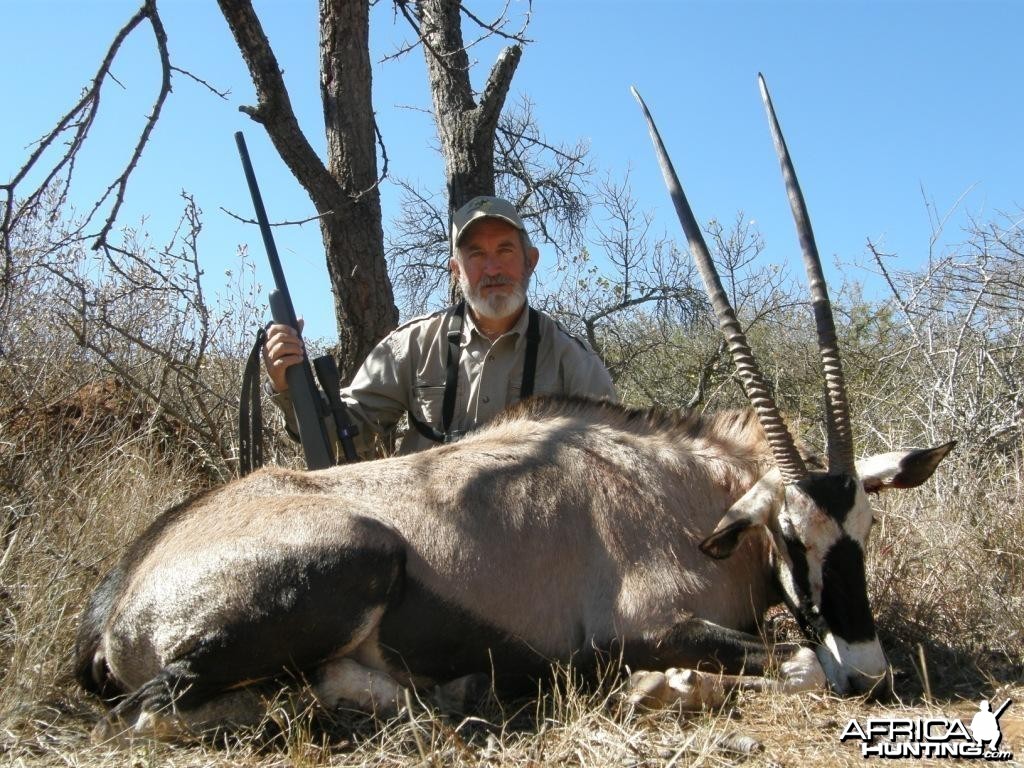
[481,208]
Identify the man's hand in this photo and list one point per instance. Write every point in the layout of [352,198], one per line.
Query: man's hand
[283,349]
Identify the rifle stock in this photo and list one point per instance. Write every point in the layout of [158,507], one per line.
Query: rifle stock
[304,393]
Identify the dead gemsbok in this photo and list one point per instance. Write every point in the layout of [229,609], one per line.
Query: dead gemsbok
[567,531]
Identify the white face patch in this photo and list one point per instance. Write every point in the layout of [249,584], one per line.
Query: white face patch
[856,667]
[857,524]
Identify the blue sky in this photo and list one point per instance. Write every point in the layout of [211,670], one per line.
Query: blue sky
[883,104]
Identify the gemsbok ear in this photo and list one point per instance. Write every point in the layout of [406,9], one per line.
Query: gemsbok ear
[753,508]
[901,469]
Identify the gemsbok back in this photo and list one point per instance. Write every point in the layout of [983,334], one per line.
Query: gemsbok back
[565,531]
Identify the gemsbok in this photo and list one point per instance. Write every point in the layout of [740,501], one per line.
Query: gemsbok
[565,531]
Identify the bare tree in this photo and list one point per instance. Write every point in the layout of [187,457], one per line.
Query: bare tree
[643,270]
[344,189]
[631,292]
[550,183]
[487,150]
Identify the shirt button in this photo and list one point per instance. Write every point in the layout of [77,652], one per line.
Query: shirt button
[490,358]
[486,399]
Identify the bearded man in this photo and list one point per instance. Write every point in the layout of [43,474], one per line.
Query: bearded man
[456,369]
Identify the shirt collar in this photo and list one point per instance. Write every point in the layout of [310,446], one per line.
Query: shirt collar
[518,330]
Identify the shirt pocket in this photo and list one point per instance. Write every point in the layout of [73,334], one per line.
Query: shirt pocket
[427,403]
[545,382]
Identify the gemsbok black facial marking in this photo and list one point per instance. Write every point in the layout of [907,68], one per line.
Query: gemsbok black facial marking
[844,596]
[833,494]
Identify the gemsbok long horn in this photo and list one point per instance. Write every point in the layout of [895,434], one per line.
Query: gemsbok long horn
[837,406]
[787,458]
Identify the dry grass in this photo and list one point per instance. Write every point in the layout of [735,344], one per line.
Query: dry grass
[947,578]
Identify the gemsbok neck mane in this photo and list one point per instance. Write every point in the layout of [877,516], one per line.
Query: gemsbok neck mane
[739,424]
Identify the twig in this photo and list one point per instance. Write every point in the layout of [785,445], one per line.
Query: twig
[222,94]
[298,222]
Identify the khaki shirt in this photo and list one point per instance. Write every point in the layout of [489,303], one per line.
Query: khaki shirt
[407,370]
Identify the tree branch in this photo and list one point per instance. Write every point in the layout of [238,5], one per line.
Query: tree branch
[73,127]
[274,110]
[497,27]
[120,184]
[222,94]
[297,222]
[500,80]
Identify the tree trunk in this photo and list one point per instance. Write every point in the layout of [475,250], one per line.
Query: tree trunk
[466,129]
[344,191]
[354,235]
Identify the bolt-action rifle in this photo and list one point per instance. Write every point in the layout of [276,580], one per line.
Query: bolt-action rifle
[309,406]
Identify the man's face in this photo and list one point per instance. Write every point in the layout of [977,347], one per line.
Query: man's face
[492,269]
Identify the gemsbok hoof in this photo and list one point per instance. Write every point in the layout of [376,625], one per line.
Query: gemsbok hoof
[687,689]
[803,672]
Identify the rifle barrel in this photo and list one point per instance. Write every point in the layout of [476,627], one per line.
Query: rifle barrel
[268,238]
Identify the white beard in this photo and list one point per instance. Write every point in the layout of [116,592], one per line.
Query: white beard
[495,306]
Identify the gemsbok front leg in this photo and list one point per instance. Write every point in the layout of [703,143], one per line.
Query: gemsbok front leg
[696,664]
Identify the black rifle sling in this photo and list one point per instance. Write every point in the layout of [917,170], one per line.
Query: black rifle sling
[451,376]
[250,411]
[530,361]
[451,383]
[451,379]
